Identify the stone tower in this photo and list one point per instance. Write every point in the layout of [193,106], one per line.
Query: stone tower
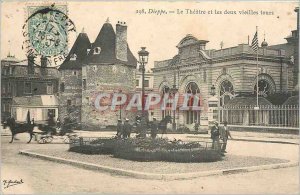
[109,68]
[70,91]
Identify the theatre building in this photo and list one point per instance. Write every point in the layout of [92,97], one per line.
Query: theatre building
[232,73]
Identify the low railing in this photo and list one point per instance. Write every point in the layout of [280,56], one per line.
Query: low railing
[269,116]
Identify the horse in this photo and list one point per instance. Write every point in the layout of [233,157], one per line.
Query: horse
[162,125]
[16,128]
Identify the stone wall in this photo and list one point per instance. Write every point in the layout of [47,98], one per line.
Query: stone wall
[72,81]
[110,79]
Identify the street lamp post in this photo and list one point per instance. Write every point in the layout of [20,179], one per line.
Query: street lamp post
[120,91]
[143,60]
[173,91]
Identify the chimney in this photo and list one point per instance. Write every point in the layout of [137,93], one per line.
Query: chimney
[202,44]
[121,41]
[43,65]
[30,67]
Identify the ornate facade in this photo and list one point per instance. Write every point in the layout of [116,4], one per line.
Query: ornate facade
[232,71]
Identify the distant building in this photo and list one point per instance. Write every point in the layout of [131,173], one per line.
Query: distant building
[24,80]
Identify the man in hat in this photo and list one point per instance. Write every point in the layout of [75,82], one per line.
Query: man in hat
[215,134]
[138,128]
[154,128]
[126,128]
[119,128]
[196,127]
[224,134]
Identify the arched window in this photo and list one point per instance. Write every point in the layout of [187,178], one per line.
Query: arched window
[226,92]
[264,88]
[192,115]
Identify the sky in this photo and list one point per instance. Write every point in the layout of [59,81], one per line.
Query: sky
[161,33]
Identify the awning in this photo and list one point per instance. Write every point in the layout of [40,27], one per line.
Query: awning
[36,101]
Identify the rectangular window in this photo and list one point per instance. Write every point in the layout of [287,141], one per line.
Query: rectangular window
[27,88]
[9,88]
[69,102]
[49,88]
[146,84]
[62,87]
[204,75]
[78,101]
[75,73]
[137,82]
[3,88]
[84,83]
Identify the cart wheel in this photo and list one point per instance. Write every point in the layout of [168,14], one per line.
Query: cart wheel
[49,139]
[67,140]
[42,141]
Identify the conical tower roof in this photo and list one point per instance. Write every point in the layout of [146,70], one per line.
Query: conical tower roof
[79,48]
[105,44]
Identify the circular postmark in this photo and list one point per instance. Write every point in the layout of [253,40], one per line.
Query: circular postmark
[47,33]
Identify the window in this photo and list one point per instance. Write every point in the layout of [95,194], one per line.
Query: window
[204,75]
[11,70]
[137,82]
[62,87]
[88,51]
[97,50]
[87,99]
[73,57]
[224,71]
[69,102]
[78,101]
[49,88]
[226,92]
[192,115]
[3,88]
[27,88]
[74,73]
[84,83]
[146,84]
[9,88]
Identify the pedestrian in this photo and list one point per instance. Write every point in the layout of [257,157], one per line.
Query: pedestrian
[224,134]
[126,129]
[138,128]
[196,127]
[154,128]
[119,128]
[215,136]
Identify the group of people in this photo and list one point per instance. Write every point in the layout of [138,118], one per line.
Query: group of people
[124,129]
[220,133]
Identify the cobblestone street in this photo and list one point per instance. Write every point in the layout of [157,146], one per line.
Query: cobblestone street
[42,176]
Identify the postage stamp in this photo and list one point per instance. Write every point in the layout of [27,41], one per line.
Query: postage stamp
[47,32]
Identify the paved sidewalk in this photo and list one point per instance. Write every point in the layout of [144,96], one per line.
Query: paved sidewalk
[237,136]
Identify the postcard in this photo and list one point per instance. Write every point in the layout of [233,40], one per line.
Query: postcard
[149,97]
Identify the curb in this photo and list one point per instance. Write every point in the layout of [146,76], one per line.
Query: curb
[142,175]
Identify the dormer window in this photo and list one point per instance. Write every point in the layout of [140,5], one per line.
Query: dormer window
[97,50]
[88,51]
[73,56]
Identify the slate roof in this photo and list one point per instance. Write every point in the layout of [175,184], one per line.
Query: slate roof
[37,100]
[79,48]
[11,58]
[289,48]
[294,100]
[247,101]
[106,40]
